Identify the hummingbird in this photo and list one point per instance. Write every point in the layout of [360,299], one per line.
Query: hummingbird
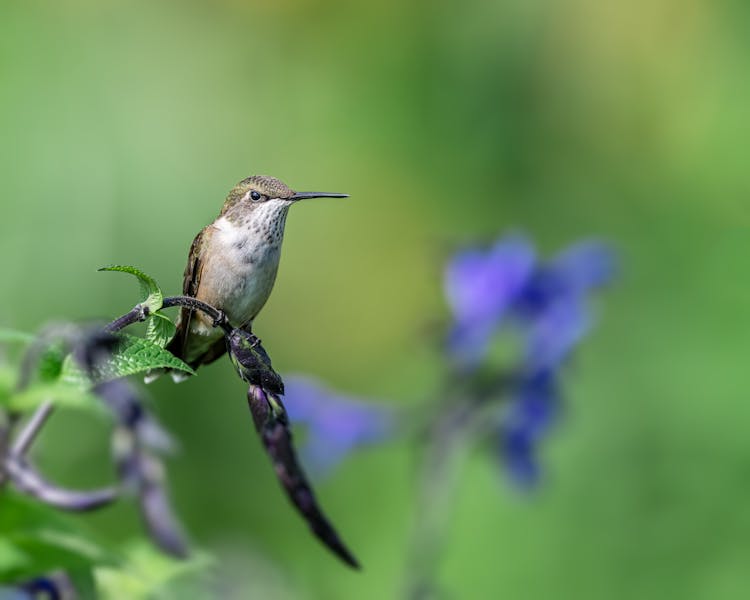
[232,264]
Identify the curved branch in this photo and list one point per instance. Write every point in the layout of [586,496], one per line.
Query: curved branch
[29,481]
[24,439]
[140,313]
[218,316]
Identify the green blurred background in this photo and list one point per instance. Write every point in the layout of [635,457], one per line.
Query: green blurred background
[124,124]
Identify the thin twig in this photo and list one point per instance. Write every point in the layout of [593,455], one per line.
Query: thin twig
[6,421]
[140,313]
[136,315]
[31,430]
[218,316]
[29,481]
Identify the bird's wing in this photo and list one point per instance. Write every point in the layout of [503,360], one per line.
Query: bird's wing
[214,352]
[190,282]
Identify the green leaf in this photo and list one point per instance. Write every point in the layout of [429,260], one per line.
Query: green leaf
[11,557]
[8,379]
[148,574]
[11,336]
[51,550]
[84,583]
[152,296]
[133,355]
[51,361]
[160,329]
[79,550]
[37,539]
[61,393]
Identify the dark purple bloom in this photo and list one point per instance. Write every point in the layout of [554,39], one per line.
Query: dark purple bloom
[335,424]
[55,586]
[272,423]
[532,410]
[518,454]
[481,286]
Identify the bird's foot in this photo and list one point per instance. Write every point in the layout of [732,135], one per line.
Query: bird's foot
[221,319]
[254,339]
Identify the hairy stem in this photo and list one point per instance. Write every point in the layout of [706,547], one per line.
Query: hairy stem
[140,313]
[136,315]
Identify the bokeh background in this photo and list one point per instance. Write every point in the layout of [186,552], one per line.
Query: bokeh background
[124,124]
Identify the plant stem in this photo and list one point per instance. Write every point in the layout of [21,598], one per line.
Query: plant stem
[6,421]
[29,481]
[448,444]
[31,430]
[140,313]
[219,318]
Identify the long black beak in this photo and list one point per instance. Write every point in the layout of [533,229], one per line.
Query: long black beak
[306,195]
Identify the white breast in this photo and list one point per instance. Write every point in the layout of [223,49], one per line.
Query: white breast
[244,261]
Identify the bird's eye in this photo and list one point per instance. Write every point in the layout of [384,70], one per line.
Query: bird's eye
[255,195]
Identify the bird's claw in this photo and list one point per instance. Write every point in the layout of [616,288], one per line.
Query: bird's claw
[254,339]
[220,319]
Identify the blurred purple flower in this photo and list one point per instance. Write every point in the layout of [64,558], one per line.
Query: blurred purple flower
[532,410]
[335,424]
[481,285]
[552,334]
[551,309]
[546,302]
[586,265]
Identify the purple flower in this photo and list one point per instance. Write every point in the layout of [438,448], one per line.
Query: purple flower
[335,424]
[551,310]
[480,286]
[586,265]
[554,332]
[546,302]
[532,410]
